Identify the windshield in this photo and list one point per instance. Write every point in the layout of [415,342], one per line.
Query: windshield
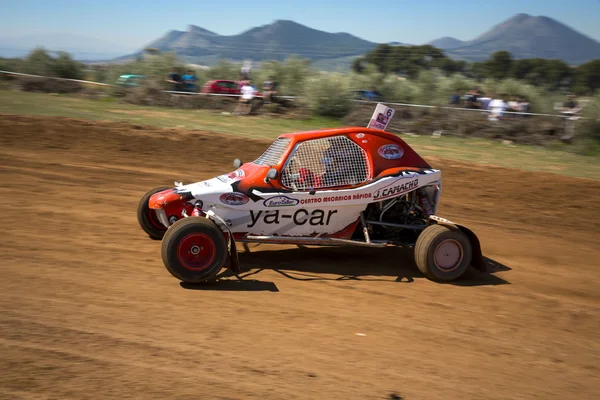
[273,154]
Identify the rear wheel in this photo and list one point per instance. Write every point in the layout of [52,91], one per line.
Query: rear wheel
[443,253]
[147,217]
[194,249]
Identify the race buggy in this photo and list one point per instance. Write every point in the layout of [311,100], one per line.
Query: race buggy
[348,186]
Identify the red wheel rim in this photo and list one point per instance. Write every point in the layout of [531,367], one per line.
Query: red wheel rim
[448,255]
[196,251]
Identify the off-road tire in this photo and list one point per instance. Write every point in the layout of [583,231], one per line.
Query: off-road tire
[147,217]
[443,253]
[186,237]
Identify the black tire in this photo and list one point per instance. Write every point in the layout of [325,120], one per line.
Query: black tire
[194,249]
[443,264]
[147,217]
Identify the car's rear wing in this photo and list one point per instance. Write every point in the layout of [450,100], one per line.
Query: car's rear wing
[381,117]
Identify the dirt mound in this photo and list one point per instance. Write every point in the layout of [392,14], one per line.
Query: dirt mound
[87,311]
[532,130]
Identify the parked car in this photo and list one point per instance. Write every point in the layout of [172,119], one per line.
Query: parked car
[130,80]
[223,86]
[368,95]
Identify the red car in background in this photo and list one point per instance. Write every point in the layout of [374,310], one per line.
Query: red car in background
[223,86]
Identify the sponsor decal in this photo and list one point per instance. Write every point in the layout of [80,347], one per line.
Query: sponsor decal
[181,189]
[281,201]
[299,217]
[333,199]
[390,151]
[232,176]
[360,135]
[234,199]
[396,190]
[441,220]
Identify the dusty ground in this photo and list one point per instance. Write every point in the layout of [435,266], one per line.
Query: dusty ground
[87,311]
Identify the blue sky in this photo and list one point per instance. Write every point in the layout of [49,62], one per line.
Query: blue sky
[134,23]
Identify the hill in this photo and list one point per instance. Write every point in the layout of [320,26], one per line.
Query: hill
[526,36]
[275,41]
[446,43]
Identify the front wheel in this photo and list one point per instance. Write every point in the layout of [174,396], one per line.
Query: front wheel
[443,253]
[147,217]
[194,249]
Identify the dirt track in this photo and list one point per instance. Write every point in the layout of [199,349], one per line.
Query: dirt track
[88,311]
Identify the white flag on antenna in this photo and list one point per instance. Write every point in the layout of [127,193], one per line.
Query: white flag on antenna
[381,117]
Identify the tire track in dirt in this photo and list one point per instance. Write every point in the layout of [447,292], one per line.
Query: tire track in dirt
[87,311]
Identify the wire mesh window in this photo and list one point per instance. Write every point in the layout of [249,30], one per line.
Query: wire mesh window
[326,163]
[273,154]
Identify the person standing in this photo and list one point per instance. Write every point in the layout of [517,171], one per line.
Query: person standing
[175,82]
[497,107]
[247,92]
[189,81]
[270,89]
[245,71]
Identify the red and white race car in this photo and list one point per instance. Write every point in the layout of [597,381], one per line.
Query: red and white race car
[347,186]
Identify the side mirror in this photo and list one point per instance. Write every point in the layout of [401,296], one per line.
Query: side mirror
[237,163]
[271,174]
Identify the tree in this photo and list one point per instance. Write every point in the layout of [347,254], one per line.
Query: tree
[358,65]
[405,60]
[65,67]
[38,62]
[499,65]
[587,77]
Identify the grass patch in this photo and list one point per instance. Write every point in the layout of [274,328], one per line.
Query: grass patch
[480,151]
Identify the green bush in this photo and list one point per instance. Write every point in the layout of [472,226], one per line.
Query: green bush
[39,62]
[223,70]
[328,94]
[587,140]
[291,75]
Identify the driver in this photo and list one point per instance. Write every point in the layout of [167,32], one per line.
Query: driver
[335,159]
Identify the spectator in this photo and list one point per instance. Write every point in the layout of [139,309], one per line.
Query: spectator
[570,106]
[497,107]
[189,82]
[522,106]
[471,99]
[570,109]
[245,71]
[270,90]
[512,104]
[247,95]
[175,81]
[455,98]
[484,101]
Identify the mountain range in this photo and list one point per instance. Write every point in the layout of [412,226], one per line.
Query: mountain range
[275,41]
[525,36]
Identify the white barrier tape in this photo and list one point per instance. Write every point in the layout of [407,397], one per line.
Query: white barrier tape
[223,94]
[294,97]
[460,108]
[60,79]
